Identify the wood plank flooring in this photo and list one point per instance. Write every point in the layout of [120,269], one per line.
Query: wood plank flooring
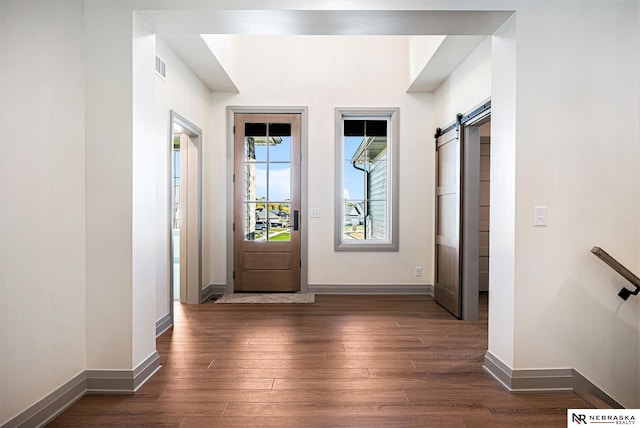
[346,361]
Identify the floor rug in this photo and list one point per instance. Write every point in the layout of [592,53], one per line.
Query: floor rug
[273,298]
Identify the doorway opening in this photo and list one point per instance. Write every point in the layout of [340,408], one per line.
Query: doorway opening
[476,222]
[267,234]
[484,203]
[267,202]
[463,164]
[185,212]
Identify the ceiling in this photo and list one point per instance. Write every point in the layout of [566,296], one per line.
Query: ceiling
[463,31]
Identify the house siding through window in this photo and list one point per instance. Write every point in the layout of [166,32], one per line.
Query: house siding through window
[378,197]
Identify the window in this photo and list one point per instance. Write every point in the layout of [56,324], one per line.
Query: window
[366,180]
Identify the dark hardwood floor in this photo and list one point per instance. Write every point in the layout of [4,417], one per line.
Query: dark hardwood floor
[346,361]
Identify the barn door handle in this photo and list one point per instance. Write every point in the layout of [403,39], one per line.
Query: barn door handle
[295,220]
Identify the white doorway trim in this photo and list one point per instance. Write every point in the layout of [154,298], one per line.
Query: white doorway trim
[190,216]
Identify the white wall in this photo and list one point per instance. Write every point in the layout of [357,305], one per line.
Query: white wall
[109,171]
[577,153]
[144,179]
[323,73]
[467,86]
[42,256]
[120,188]
[184,93]
[421,49]
[502,240]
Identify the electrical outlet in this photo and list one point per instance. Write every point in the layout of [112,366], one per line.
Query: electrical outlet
[418,271]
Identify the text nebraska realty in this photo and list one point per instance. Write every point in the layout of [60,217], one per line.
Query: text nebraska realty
[605,419]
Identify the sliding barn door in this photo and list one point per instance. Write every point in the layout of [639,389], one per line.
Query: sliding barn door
[448,282]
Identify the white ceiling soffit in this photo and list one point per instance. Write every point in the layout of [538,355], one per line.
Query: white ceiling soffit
[194,52]
[451,52]
[325,22]
[182,28]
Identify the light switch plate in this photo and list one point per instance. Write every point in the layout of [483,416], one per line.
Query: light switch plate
[315,212]
[539,216]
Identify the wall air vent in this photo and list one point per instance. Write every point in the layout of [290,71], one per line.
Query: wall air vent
[161,67]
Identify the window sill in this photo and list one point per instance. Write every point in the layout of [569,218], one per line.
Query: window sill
[366,246]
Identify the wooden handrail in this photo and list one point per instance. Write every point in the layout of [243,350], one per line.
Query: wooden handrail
[623,271]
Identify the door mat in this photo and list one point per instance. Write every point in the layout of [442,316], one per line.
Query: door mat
[269,298]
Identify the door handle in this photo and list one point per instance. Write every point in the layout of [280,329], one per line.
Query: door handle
[295,220]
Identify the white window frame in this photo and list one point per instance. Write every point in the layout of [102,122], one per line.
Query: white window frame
[391,242]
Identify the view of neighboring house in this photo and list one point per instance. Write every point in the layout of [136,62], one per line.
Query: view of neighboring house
[354,213]
[371,158]
[274,218]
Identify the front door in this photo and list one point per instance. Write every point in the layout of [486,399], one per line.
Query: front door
[266,202]
[447,290]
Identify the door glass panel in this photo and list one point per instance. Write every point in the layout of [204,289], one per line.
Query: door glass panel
[279,142]
[267,181]
[255,182]
[279,182]
[280,149]
[254,225]
[255,148]
[259,182]
[279,225]
[176,183]
[280,130]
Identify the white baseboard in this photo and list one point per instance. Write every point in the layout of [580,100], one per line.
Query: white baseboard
[542,380]
[45,410]
[122,381]
[87,382]
[163,324]
[213,290]
[367,289]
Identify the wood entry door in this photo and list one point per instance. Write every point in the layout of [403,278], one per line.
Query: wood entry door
[447,289]
[266,202]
